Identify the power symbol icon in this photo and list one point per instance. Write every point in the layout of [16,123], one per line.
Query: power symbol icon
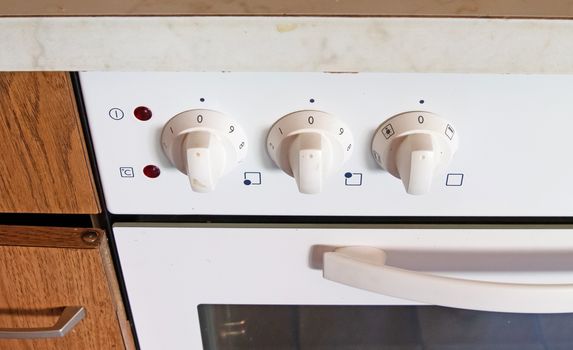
[116,114]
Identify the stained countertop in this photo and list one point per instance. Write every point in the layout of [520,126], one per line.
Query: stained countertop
[516,36]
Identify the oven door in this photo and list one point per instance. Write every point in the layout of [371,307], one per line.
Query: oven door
[336,287]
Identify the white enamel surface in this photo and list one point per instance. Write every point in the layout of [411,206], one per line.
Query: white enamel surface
[169,271]
[341,44]
[515,140]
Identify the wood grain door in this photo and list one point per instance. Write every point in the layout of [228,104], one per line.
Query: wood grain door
[44,166]
[43,270]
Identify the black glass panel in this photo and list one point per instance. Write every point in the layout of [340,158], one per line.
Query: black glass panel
[254,327]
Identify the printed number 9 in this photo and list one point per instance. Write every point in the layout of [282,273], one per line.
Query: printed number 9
[231,129]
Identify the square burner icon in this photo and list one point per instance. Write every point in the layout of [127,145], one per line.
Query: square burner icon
[353,179]
[454,179]
[252,178]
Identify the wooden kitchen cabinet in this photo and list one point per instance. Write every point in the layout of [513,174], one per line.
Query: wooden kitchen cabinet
[43,270]
[44,167]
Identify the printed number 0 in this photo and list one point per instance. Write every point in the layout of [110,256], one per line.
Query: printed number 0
[199,119]
[311,120]
[421,119]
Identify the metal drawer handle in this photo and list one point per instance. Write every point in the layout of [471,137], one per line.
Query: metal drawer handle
[365,268]
[67,321]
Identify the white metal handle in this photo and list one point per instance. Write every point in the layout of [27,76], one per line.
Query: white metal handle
[365,268]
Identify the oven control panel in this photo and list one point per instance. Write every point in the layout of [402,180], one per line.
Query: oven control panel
[332,144]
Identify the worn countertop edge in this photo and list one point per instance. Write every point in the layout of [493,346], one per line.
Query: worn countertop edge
[391,8]
[288,15]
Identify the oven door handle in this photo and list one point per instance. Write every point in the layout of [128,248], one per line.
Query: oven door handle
[365,268]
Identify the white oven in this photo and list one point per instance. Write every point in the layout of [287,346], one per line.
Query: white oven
[260,208]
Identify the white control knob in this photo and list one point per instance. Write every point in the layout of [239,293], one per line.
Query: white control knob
[203,144]
[415,147]
[309,145]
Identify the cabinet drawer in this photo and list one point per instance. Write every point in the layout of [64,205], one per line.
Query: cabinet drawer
[43,271]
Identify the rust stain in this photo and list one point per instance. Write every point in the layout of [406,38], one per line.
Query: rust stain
[286,27]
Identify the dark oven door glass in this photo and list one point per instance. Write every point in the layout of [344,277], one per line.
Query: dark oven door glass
[263,327]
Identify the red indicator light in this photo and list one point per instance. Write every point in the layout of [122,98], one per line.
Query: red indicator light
[151,171]
[142,113]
